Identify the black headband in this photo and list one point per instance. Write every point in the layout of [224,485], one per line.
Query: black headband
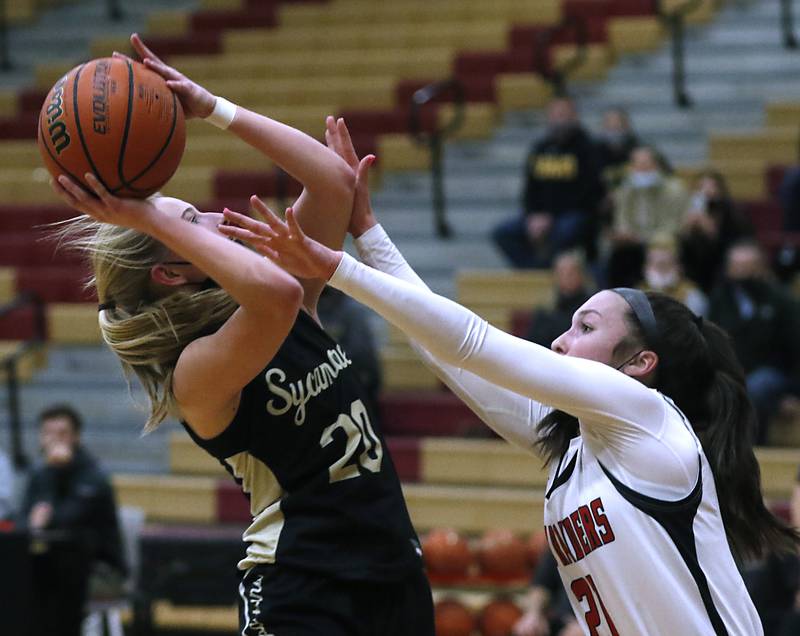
[637,300]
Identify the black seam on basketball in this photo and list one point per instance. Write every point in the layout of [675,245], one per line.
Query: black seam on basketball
[160,153]
[77,116]
[58,163]
[124,143]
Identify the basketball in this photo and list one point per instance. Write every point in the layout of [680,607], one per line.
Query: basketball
[502,553]
[117,119]
[499,617]
[452,618]
[447,553]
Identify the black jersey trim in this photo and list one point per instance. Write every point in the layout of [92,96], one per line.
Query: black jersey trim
[562,477]
[677,519]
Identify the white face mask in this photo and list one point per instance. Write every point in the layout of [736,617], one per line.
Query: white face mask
[642,180]
[660,280]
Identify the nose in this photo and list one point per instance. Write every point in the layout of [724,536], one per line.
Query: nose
[559,345]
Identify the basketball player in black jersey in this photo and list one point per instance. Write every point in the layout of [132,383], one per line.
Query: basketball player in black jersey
[229,343]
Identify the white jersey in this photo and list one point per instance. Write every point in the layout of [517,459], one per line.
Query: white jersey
[634,564]
[631,509]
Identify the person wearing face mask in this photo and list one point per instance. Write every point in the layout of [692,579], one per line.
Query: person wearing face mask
[649,202]
[764,324]
[663,273]
[562,192]
[616,141]
[711,225]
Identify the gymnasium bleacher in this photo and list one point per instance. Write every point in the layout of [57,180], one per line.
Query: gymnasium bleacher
[363,59]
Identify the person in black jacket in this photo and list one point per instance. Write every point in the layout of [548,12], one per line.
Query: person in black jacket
[562,191]
[572,288]
[70,511]
[763,324]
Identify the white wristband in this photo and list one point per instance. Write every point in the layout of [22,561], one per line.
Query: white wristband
[223,113]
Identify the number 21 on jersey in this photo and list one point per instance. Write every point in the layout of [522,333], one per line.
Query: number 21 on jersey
[358,428]
[585,590]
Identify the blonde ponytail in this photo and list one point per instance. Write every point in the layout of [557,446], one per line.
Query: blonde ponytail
[147,333]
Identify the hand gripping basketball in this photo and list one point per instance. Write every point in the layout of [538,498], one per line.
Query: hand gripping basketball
[196,100]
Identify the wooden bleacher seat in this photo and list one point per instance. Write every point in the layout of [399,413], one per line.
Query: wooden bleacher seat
[403,370]
[474,509]
[27,365]
[169,498]
[8,284]
[635,34]
[770,145]
[73,323]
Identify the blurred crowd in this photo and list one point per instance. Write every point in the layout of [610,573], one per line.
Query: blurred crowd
[605,209]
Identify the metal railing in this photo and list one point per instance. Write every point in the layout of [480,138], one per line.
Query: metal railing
[787,24]
[5,53]
[675,21]
[434,139]
[10,364]
[557,75]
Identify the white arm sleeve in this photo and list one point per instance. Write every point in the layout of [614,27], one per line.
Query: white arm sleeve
[595,393]
[511,415]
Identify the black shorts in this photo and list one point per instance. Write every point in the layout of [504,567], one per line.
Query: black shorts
[277,601]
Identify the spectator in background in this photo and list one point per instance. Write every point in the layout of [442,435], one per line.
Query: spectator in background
[774,583]
[347,322]
[788,257]
[649,202]
[6,488]
[616,141]
[762,321]
[69,504]
[663,273]
[562,193]
[572,288]
[547,607]
[789,195]
[711,225]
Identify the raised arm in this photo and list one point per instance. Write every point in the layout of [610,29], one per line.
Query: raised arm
[512,416]
[584,388]
[456,336]
[211,370]
[323,208]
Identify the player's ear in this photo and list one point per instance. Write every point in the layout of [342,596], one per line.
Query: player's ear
[642,365]
[167,275]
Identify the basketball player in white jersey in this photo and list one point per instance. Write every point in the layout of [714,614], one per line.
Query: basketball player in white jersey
[640,409]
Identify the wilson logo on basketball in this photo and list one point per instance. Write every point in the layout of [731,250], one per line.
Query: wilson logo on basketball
[100,97]
[57,129]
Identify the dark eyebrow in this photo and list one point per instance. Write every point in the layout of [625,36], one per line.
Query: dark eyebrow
[583,312]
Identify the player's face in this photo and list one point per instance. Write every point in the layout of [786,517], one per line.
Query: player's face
[597,328]
[187,212]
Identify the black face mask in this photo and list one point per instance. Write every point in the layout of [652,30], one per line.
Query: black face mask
[562,131]
[751,286]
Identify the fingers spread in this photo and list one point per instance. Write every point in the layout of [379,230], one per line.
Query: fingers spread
[294,226]
[99,189]
[141,49]
[348,150]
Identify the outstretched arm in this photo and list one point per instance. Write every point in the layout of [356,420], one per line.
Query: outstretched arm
[323,208]
[584,388]
[512,416]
